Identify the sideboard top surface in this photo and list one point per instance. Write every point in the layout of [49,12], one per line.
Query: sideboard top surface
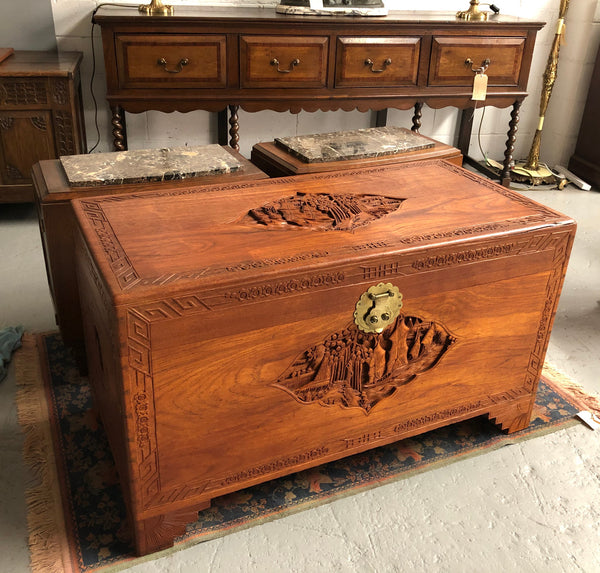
[105,14]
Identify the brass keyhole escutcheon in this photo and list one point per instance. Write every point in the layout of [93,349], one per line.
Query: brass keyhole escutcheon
[378,308]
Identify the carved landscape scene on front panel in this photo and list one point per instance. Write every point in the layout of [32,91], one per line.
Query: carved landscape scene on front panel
[355,369]
[323,211]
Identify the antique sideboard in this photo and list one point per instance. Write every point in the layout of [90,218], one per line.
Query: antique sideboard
[217,59]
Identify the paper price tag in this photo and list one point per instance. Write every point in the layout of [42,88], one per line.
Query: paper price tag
[316,4]
[480,82]
[590,420]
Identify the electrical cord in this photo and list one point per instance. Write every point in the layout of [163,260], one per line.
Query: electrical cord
[94,66]
[487,161]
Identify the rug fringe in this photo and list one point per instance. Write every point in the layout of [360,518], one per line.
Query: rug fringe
[44,515]
[574,390]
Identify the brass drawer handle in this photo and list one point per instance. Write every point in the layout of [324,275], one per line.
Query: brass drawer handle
[480,70]
[293,64]
[369,62]
[183,62]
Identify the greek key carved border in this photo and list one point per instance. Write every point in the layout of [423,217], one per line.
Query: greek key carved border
[141,398]
[119,263]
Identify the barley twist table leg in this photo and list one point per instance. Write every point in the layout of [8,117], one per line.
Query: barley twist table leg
[510,142]
[416,120]
[235,127]
[119,130]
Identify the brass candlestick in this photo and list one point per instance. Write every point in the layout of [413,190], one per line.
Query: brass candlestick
[156,8]
[473,13]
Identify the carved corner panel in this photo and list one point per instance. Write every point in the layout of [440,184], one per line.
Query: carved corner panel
[159,532]
[142,405]
[514,415]
[323,211]
[560,243]
[39,122]
[354,369]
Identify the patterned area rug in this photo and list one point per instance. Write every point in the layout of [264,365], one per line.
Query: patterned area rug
[76,515]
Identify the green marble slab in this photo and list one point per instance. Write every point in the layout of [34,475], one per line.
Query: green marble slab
[147,165]
[354,144]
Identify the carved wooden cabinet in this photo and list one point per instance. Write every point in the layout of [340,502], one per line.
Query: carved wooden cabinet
[237,333]
[41,116]
[253,58]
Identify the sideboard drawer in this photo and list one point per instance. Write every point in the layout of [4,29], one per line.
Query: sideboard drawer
[151,61]
[369,61]
[453,60]
[282,61]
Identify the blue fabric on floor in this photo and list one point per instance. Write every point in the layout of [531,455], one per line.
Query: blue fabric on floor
[10,340]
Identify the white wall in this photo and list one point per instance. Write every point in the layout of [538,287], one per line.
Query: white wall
[27,25]
[72,19]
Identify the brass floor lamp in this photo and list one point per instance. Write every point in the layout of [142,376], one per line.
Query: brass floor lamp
[530,171]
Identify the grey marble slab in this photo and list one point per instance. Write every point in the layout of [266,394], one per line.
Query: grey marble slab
[146,165]
[355,144]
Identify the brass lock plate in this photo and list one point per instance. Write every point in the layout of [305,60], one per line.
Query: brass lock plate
[378,307]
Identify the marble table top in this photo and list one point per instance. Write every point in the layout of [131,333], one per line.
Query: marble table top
[139,166]
[355,144]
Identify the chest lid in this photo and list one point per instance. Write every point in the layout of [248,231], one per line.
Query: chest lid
[225,235]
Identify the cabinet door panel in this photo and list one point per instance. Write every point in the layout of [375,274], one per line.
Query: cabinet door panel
[25,138]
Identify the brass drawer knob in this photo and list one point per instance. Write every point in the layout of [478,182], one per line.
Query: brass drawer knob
[481,69]
[163,62]
[369,62]
[293,64]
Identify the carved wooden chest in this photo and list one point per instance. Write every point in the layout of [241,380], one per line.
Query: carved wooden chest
[249,331]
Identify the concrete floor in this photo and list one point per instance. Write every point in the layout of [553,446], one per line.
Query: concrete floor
[531,507]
